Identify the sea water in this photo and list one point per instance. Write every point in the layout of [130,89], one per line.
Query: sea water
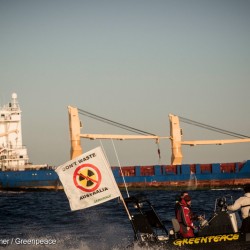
[43,220]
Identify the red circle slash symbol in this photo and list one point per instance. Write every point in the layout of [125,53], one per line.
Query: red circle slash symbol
[87,177]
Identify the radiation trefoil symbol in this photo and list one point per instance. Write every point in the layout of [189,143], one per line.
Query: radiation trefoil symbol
[87,177]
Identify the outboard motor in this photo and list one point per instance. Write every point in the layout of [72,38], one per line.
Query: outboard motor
[221,222]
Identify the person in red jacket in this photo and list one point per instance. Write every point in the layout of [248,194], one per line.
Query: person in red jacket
[184,216]
[178,201]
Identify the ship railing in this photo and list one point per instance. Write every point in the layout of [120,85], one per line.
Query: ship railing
[15,147]
[26,167]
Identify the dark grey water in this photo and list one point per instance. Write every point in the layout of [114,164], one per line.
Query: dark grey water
[44,218]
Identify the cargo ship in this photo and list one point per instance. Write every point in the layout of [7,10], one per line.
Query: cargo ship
[173,176]
[17,173]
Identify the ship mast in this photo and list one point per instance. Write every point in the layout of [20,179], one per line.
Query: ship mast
[175,137]
[74,128]
[176,134]
[75,135]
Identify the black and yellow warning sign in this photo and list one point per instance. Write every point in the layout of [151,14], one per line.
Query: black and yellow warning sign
[87,177]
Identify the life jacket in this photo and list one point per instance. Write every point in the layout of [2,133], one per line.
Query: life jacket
[184,217]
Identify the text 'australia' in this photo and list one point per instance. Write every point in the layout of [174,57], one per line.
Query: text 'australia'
[94,193]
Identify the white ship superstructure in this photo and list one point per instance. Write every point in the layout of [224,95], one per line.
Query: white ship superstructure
[13,155]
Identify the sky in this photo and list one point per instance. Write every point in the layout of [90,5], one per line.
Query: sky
[133,62]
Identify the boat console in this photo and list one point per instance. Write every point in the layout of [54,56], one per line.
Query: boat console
[221,222]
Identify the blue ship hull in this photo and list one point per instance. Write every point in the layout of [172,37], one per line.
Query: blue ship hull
[188,176]
[44,179]
[164,176]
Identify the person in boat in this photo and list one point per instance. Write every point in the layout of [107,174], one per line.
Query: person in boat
[243,203]
[184,216]
[178,201]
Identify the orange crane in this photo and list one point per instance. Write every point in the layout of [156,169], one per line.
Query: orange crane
[175,137]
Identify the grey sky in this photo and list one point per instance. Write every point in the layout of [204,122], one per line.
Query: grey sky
[130,61]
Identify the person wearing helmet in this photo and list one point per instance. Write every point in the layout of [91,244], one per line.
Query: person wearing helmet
[243,203]
[184,216]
